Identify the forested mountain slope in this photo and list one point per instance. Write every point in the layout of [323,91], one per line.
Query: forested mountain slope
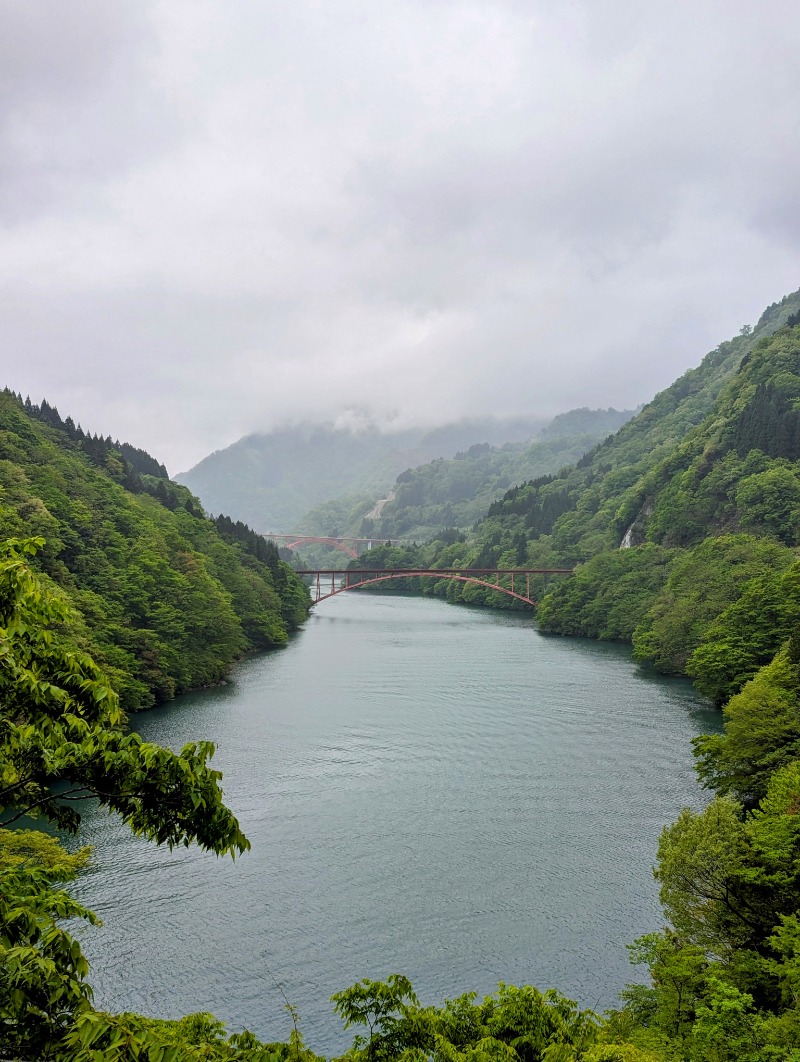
[701,489]
[712,529]
[455,492]
[165,598]
[272,480]
[592,506]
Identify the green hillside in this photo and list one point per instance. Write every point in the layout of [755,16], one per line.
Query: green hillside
[272,480]
[716,524]
[455,492]
[608,494]
[164,598]
[692,506]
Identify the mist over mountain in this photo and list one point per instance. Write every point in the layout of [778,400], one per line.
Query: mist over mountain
[272,480]
[456,492]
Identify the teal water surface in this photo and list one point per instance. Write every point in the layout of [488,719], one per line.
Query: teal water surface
[430,790]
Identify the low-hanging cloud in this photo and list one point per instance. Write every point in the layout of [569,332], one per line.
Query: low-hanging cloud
[219,217]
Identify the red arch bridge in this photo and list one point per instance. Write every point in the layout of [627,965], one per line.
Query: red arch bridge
[515,582]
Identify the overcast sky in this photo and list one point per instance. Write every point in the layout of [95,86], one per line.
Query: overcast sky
[220,215]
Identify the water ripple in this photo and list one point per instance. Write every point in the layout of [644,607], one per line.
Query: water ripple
[431,790]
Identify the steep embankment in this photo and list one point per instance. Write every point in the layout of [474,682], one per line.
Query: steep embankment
[165,598]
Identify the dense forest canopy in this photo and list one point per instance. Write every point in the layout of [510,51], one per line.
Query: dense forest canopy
[164,598]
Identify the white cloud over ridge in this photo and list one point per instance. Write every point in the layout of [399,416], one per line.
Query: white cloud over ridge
[218,217]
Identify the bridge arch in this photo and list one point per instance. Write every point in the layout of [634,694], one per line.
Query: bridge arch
[428,575]
[340,582]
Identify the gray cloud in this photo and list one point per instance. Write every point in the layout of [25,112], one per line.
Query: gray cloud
[216,217]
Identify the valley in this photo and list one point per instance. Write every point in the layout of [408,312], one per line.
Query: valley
[678,532]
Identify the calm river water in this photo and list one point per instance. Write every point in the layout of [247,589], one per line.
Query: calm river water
[429,790]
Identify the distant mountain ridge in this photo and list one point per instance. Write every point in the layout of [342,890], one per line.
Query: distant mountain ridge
[272,480]
[456,492]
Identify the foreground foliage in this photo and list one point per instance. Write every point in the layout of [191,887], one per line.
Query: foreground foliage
[62,737]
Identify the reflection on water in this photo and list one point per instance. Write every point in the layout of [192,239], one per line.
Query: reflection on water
[435,791]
